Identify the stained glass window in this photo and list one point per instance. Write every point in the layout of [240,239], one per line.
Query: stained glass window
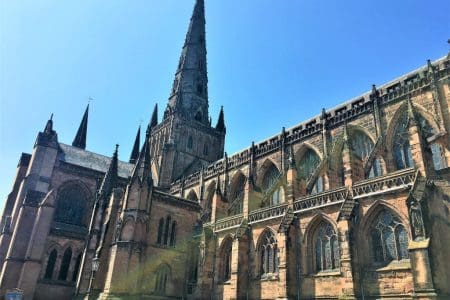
[269,254]
[326,248]
[51,264]
[270,186]
[237,197]
[362,145]
[308,164]
[318,186]
[389,239]
[402,148]
[376,169]
[71,206]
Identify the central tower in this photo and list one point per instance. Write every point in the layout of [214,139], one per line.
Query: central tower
[185,141]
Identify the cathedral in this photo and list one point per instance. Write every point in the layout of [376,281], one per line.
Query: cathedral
[353,203]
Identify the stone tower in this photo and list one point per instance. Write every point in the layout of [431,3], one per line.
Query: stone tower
[185,140]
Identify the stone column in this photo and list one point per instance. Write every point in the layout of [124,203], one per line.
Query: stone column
[282,239]
[420,263]
[346,264]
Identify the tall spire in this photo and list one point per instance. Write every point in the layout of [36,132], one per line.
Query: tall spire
[110,179]
[80,137]
[189,95]
[135,153]
[220,126]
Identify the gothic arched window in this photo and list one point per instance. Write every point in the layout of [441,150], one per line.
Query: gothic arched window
[192,196]
[271,186]
[326,248]
[225,271]
[190,142]
[161,277]
[160,231]
[77,268]
[389,239]
[205,149]
[71,205]
[268,252]
[167,230]
[402,148]
[376,169]
[308,164]
[362,145]
[65,263]
[173,233]
[50,264]
[237,196]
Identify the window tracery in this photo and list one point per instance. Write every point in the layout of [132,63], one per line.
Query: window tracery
[268,254]
[237,197]
[389,239]
[362,145]
[71,205]
[326,248]
[271,186]
[308,164]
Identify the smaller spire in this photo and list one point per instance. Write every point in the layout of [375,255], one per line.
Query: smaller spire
[154,120]
[221,122]
[110,179]
[49,126]
[80,137]
[142,167]
[135,153]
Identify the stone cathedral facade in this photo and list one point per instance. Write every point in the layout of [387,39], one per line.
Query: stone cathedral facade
[351,204]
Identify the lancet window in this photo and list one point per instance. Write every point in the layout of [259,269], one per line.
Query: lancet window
[225,267]
[167,230]
[161,278]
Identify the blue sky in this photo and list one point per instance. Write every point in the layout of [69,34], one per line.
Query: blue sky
[271,63]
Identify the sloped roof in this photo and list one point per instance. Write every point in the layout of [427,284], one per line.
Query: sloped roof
[90,160]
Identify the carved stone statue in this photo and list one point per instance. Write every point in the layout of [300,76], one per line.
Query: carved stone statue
[415,214]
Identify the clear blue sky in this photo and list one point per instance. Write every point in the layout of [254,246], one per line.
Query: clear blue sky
[271,63]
